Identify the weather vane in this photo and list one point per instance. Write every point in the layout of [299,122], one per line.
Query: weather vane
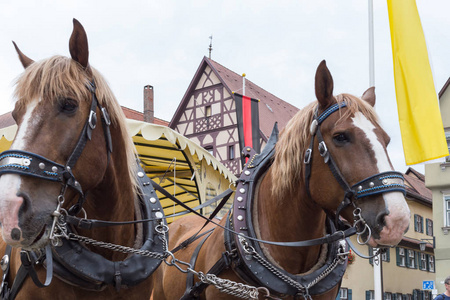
[210,46]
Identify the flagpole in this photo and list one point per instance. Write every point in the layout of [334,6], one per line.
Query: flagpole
[371,47]
[377,261]
[243,84]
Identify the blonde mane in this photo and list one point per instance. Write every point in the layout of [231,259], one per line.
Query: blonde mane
[287,169]
[60,76]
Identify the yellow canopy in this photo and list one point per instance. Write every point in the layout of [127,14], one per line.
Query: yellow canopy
[180,166]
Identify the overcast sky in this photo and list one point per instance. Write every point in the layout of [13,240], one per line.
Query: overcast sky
[278,44]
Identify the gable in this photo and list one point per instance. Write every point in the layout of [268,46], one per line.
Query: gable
[207,79]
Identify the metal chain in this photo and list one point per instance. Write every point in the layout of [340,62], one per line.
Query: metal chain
[303,290]
[236,289]
[224,285]
[124,249]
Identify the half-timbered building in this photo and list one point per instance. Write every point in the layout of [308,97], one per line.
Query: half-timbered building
[207,112]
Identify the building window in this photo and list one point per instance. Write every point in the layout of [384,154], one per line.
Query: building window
[423,262]
[385,255]
[411,259]
[370,295]
[387,296]
[208,111]
[401,257]
[231,154]
[447,210]
[210,149]
[418,223]
[431,263]
[343,294]
[429,227]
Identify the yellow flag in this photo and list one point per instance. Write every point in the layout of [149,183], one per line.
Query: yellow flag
[418,108]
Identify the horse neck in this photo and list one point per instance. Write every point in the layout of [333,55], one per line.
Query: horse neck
[114,200]
[290,217]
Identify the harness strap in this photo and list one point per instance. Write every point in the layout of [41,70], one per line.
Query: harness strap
[214,213]
[29,259]
[326,239]
[92,223]
[190,293]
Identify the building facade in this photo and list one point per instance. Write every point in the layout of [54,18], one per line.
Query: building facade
[207,112]
[438,180]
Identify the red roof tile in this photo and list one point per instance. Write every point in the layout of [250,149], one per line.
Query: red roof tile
[415,186]
[136,115]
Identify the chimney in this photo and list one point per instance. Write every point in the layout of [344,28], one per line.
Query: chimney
[148,104]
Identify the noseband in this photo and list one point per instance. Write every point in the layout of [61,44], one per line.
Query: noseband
[31,164]
[384,182]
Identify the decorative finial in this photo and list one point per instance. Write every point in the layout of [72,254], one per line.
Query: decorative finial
[210,46]
[243,74]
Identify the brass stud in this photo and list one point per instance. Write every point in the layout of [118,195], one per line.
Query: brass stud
[240,218]
[41,166]
[55,169]
[158,215]
[140,174]
[247,172]
[153,200]
[371,184]
[240,199]
[242,190]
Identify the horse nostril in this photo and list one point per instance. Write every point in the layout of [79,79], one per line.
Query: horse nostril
[15,234]
[381,220]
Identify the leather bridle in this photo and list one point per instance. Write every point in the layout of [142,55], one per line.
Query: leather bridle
[30,164]
[383,182]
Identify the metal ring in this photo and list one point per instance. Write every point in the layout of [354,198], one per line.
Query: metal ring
[368,236]
[61,199]
[364,228]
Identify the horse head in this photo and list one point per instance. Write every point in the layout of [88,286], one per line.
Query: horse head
[350,149]
[57,155]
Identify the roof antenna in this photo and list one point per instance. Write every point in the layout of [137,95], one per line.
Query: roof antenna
[210,46]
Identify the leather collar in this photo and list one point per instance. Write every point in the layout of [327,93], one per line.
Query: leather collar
[247,266]
[77,265]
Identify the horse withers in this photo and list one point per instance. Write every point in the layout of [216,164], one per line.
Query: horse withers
[328,170]
[72,156]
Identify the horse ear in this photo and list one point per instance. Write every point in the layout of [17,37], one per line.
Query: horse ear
[369,96]
[78,44]
[324,85]
[25,60]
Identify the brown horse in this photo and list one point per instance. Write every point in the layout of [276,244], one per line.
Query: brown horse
[65,162]
[331,150]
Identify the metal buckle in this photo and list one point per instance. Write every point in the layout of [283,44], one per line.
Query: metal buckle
[106,116]
[323,150]
[92,119]
[307,158]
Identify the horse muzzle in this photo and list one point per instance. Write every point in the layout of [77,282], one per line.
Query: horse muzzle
[22,226]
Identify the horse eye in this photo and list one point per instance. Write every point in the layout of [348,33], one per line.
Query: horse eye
[341,138]
[67,105]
